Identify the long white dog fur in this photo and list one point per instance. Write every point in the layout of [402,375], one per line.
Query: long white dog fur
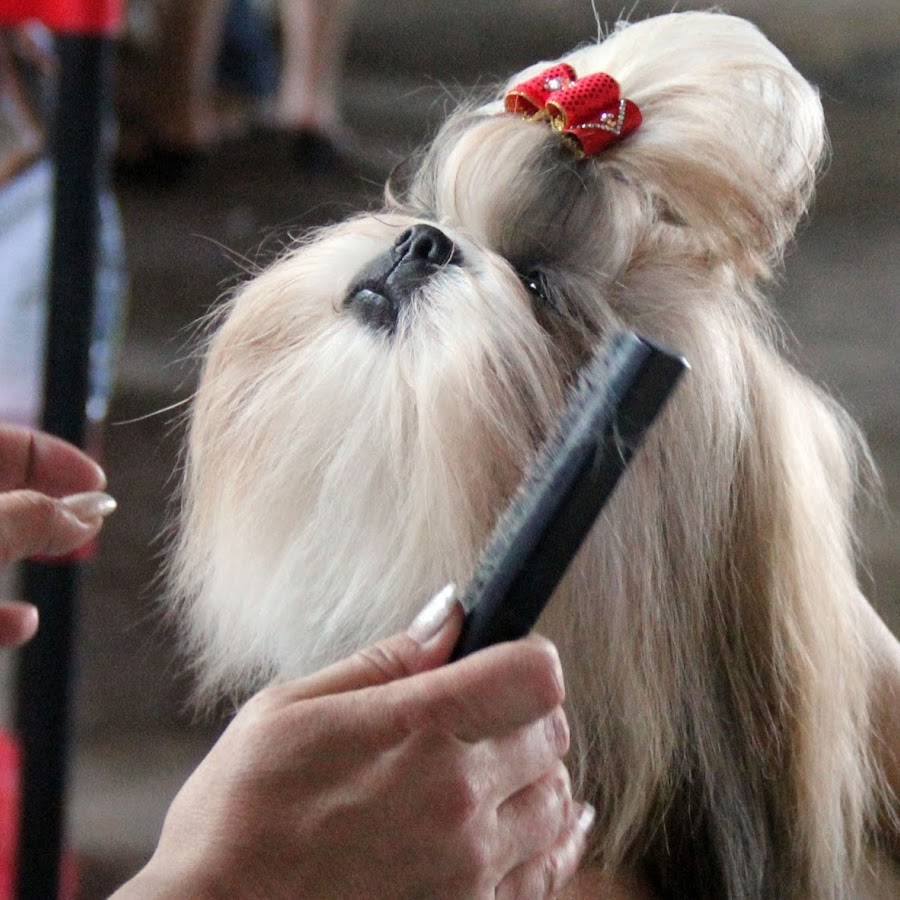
[715,642]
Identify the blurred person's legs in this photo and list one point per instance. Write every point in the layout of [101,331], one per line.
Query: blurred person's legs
[191,34]
[185,116]
[248,65]
[314,37]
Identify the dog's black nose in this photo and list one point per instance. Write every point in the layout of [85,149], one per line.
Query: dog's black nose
[425,244]
[384,288]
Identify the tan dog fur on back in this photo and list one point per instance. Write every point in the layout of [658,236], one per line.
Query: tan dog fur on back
[351,448]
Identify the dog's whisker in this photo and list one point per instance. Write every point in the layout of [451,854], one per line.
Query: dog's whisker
[178,404]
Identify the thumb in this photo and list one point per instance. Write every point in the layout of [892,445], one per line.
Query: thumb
[426,644]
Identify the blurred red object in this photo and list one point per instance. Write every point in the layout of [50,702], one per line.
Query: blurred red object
[10,794]
[78,16]
[10,764]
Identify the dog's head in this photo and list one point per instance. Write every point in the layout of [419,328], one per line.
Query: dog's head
[371,399]
[370,402]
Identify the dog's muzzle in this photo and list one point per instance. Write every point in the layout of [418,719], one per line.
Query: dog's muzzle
[386,285]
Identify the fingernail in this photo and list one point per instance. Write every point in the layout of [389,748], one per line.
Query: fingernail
[101,475]
[433,615]
[30,622]
[89,505]
[586,819]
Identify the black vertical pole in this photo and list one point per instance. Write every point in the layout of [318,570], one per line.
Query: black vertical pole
[46,664]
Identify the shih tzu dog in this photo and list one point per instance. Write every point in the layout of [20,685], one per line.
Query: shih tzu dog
[370,402]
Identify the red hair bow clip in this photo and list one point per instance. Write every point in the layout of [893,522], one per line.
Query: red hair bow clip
[529,98]
[588,112]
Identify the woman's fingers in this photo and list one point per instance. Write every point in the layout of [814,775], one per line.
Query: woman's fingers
[546,873]
[488,694]
[534,818]
[489,730]
[527,754]
[32,523]
[31,459]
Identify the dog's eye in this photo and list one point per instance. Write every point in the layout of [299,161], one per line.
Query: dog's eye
[535,281]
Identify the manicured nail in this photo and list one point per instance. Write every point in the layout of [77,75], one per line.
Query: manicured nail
[90,505]
[101,475]
[586,819]
[433,615]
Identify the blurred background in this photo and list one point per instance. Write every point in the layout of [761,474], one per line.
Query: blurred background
[223,150]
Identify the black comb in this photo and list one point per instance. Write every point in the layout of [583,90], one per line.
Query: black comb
[615,400]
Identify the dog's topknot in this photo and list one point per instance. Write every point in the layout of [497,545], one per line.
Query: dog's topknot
[725,114]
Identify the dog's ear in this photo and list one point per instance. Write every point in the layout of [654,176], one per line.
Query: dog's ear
[732,135]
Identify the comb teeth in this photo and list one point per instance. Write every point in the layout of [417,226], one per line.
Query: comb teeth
[613,403]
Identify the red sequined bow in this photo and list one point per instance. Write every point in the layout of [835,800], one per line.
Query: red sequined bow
[588,112]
